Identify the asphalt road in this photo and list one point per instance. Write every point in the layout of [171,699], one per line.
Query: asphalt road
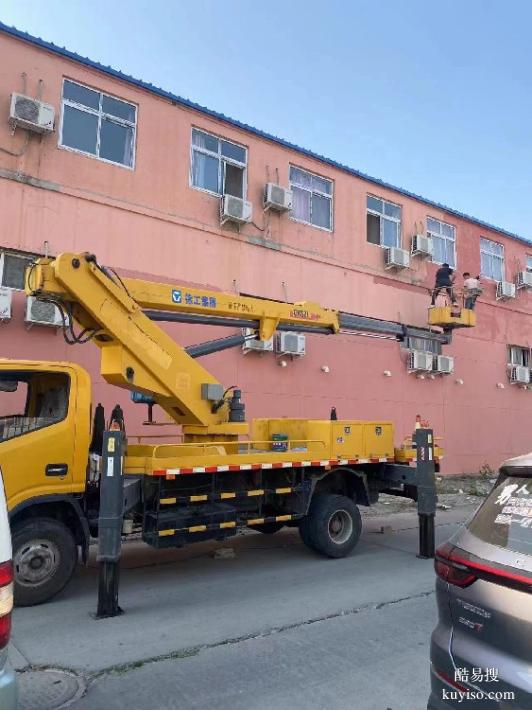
[276,626]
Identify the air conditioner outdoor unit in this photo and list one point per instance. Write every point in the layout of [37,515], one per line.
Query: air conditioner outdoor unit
[420,361]
[519,374]
[5,303]
[444,364]
[421,245]
[277,198]
[234,209]
[42,312]
[524,279]
[395,258]
[505,290]
[290,343]
[254,344]
[31,114]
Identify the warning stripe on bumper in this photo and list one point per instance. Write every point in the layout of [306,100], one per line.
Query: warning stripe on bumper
[173,472]
[228,524]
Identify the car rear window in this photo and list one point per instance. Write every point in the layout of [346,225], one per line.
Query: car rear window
[505,518]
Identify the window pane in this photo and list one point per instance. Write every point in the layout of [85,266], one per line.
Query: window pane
[118,108]
[205,171]
[235,152]
[392,210]
[301,204]
[204,140]
[373,233]
[439,252]
[234,180]
[300,177]
[433,226]
[321,184]
[498,249]
[116,142]
[390,233]
[484,244]
[81,95]
[447,230]
[529,263]
[497,268]
[374,204]
[14,269]
[321,211]
[485,265]
[79,130]
[449,255]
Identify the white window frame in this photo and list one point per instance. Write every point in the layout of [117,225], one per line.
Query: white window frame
[528,266]
[222,159]
[101,114]
[443,236]
[513,353]
[489,253]
[3,254]
[382,216]
[328,195]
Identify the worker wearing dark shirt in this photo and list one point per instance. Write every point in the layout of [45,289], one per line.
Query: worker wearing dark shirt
[444,280]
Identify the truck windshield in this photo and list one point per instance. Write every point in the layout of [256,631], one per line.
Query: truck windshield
[31,401]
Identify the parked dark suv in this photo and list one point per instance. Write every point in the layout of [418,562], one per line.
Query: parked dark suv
[481,649]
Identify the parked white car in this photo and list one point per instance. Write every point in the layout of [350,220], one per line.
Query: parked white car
[8,680]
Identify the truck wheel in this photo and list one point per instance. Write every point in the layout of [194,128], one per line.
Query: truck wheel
[44,558]
[332,526]
[267,528]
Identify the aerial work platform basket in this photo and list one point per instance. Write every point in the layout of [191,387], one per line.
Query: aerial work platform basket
[449,317]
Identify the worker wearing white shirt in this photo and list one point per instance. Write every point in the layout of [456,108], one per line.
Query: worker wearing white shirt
[471,290]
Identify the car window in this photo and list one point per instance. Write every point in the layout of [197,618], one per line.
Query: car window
[505,518]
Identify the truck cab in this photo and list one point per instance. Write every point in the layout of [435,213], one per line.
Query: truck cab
[45,427]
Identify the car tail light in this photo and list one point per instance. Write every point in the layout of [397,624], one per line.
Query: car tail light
[447,679]
[6,602]
[450,569]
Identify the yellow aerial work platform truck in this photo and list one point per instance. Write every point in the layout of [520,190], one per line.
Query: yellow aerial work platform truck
[224,473]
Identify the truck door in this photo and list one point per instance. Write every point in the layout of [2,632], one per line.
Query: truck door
[37,433]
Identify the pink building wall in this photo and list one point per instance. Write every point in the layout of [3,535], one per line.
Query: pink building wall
[149,221]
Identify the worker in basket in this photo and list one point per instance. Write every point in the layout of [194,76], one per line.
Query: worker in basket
[444,280]
[472,290]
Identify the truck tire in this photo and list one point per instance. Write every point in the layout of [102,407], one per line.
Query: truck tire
[44,558]
[332,526]
[267,528]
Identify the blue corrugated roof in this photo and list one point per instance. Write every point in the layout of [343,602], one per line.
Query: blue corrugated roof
[251,129]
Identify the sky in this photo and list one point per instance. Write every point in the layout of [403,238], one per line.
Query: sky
[433,97]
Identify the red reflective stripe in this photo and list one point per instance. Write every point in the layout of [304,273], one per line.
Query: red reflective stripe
[490,570]
[211,469]
[374,460]
[5,630]
[277,464]
[448,679]
[159,472]
[234,468]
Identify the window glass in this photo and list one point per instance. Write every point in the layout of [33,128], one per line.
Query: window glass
[234,152]
[390,233]
[518,355]
[374,204]
[234,182]
[13,270]
[117,108]
[529,263]
[491,260]
[383,229]
[311,198]
[206,141]
[373,233]
[205,172]
[392,210]
[81,95]
[443,237]
[116,142]
[98,124]
[80,130]
[505,517]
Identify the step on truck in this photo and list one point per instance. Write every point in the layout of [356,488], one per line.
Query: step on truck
[222,473]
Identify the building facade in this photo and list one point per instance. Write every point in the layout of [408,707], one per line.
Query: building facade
[134,175]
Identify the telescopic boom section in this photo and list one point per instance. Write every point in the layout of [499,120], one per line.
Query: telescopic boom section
[119,314]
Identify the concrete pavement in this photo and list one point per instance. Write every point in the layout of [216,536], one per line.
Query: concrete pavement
[275,626]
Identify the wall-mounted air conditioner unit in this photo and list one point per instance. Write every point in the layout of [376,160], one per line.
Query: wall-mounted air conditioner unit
[421,245]
[253,344]
[5,303]
[444,364]
[290,343]
[395,258]
[420,361]
[277,198]
[519,375]
[42,312]
[505,290]
[524,279]
[31,114]
[233,209]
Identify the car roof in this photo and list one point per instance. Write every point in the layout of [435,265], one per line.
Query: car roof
[521,465]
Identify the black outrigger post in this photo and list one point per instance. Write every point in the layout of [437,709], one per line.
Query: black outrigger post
[110,521]
[426,490]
